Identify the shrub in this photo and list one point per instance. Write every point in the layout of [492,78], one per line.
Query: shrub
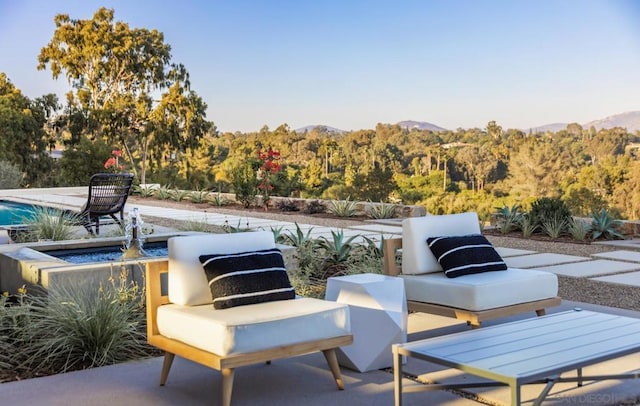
[550,210]
[245,184]
[314,207]
[382,211]
[604,225]
[287,205]
[342,208]
[10,175]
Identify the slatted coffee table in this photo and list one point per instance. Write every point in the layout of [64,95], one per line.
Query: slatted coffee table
[535,350]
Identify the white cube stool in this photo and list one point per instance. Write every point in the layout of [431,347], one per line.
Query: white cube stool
[378,309]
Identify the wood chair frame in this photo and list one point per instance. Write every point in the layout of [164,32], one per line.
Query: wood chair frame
[473,318]
[226,364]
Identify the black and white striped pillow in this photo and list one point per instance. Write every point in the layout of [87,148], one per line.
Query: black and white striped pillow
[465,255]
[247,278]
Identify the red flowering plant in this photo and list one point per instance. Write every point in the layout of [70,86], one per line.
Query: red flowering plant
[113,163]
[269,167]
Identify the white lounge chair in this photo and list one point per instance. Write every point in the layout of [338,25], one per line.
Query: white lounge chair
[474,297]
[184,322]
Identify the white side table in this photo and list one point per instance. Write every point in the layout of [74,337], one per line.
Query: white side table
[378,312]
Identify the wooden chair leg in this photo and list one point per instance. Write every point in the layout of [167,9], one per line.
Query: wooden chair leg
[332,360]
[541,312]
[227,385]
[166,366]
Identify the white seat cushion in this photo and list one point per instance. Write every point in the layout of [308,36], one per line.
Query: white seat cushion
[416,256]
[482,291]
[187,281]
[253,327]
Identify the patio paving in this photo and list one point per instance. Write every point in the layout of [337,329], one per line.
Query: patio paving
[542,259]
[306,380]
[630,278]
[623,255]
[512,252]
[587,269]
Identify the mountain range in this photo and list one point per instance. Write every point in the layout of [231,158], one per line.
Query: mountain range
[629,120]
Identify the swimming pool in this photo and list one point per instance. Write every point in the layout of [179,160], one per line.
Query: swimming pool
[12,213]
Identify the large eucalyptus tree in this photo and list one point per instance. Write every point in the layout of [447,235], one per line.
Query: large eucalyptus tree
[125,87]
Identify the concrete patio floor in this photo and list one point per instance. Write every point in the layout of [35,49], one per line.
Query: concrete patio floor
[306,380]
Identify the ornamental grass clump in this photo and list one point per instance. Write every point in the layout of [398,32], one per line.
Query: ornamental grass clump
[84,326]
[48,224]
[579,229]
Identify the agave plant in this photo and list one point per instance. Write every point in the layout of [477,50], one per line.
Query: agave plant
[198,196]
[527,225]
[337,251]
[144,191]
[382,211]
[508,218]
[163,193]
[178,195]
[554,226]
[278,236]
[604,225]
[342,208]
[299,238]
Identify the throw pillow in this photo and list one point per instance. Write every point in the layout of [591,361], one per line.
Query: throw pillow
[465,255]
[247,278]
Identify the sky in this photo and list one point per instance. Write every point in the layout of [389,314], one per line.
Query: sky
[351,64]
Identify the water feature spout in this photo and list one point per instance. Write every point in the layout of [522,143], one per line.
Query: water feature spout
[134,239]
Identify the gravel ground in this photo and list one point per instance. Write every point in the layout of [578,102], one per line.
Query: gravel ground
[574,289]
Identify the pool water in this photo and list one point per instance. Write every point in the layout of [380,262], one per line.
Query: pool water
[105,254]
[12,213]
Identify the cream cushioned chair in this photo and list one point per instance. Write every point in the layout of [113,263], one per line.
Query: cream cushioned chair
[185,323]
[473,298]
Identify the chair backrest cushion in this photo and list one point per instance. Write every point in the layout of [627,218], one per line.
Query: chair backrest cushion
[416,255]
[187,281]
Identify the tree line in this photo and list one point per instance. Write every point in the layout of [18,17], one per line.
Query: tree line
[127,95]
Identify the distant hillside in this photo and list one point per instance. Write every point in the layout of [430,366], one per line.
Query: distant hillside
[548,127]
[420,125]
[321,128]
[629,120]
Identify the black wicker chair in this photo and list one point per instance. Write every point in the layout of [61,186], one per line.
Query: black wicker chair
[108,193]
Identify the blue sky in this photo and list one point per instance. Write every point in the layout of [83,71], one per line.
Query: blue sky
[352,64]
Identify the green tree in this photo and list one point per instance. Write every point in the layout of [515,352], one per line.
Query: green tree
[23,141]
[115,70]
